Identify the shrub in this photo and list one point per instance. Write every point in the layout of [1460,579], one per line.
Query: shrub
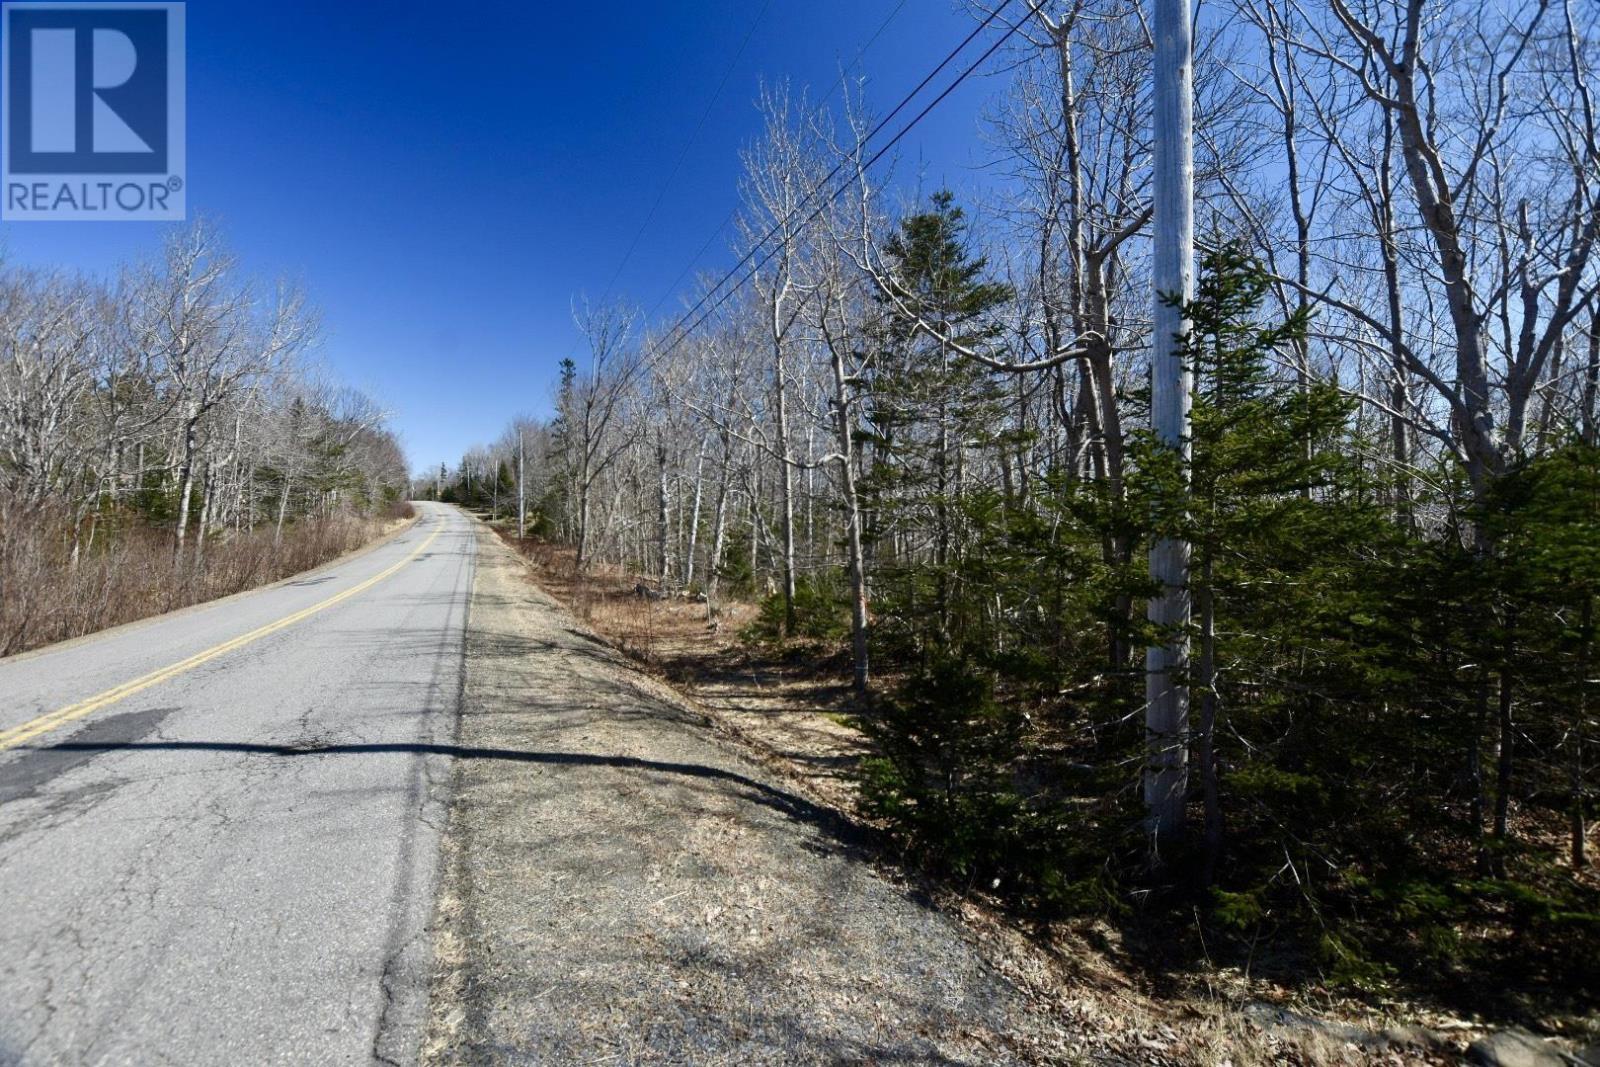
[127,571]
[941,780]
[821,611]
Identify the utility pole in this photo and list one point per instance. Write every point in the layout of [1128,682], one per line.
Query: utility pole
[1171,381]
[522,509]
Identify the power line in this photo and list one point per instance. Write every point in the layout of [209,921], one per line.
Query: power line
[723,225]
[870,41]
[683,333]
[683,153]
[912,95]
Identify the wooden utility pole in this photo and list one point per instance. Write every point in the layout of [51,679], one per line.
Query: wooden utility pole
[1166,665]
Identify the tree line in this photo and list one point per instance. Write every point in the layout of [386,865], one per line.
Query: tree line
[164,439]
[920,435]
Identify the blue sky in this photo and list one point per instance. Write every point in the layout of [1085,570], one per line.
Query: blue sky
[445,178]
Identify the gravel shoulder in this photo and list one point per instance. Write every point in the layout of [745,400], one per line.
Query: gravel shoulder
[622,886]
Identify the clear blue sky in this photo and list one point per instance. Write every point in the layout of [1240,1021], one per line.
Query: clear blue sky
[445,178]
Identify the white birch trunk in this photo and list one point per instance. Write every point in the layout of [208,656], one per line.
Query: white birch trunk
[694,517]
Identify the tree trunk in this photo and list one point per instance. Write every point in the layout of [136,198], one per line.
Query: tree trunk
[694,517]
[522,493]
[1547,407]
[718,533]
[941,500]
[239,473]
[1580,831]
[1206,600]
[1591,385]
[191,423]
[1399,386]
[283,508]
[852,504]
[786,462]
[1287,81]
[1508,735]
[1476,424]
[1475,765]
[755,524]
[208,487]
[583,517]
[663,517]
[811,497]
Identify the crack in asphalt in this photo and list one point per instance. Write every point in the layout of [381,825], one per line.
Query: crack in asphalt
[38,765]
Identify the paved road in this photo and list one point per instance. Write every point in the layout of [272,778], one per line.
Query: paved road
[234,861]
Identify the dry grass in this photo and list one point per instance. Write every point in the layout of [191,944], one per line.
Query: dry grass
[790,705]
[46,596]
[650,629]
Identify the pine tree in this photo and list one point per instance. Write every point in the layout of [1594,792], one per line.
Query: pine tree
[931,407]
[1251,505]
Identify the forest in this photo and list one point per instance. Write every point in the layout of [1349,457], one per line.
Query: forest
[166,438]
[917,430]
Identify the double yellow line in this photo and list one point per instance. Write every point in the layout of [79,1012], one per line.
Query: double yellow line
[26,732]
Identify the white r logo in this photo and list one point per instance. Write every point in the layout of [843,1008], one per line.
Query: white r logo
[55,91]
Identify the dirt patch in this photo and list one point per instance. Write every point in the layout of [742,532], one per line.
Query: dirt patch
[790,706]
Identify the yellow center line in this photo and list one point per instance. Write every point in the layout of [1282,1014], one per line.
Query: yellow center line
[18,735]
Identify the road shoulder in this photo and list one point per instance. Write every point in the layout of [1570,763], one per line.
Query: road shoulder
[622,886]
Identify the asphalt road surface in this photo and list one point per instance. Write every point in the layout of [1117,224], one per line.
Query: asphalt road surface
[219,829]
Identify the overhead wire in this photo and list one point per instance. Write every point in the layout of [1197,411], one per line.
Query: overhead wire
[679,333]
[683,153]
[733,213]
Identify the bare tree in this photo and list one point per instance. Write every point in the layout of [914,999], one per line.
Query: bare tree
[594,404]
[213,340]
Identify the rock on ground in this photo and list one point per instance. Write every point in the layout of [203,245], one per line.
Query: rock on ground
[1514,1048]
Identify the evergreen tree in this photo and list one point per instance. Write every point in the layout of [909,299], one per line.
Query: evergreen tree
[1259,444]
[930,407]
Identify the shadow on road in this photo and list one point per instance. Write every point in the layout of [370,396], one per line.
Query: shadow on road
[793,806]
